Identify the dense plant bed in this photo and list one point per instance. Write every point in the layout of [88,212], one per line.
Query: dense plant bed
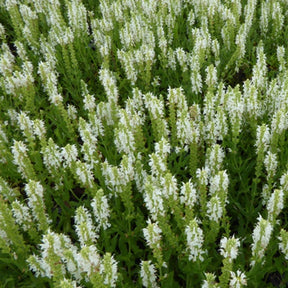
[143,143]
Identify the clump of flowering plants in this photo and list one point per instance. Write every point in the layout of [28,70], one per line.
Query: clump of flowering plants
[143,143]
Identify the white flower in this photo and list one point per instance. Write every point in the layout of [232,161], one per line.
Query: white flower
[202,176]
[153,199]
[152,234]
[261,237]
[186,133]
[211,78]
[283,245]
[101,209]
[124,139]
[238,279]
[214,209]
[229,247]
[109,82]
[20,158]
[108,269]
[6,60]
[157,164]
[88,259]
[89,102]
[281,57]
[67,283]
[188,194]
[270,163]
[51,156]
[26,125]
[196,79]
[162,148]
[284,181]
[264,18]
[182,58]
[195,239]
[210,281]
[69,154]
[104,111]
[263,138]
[154,105]
[219,185]
[84,227]
[6,192]
[275,204]
[77,16]
[52,249]
[72,112]
[50,82]
[260,69]
[21,215]
[39,128]
[34,191]
[279,122]
[148,274]
[252,104]
[215,157]
[84,174]
[39,266]
[169,186]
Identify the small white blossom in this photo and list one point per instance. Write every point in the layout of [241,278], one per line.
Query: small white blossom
[39,128]
[26,125]
[124,139]
[188,194]
[69,154]
[211,78]
[260,69]
[89,102]
[109,82]
[214,159]
[148,274]
[210,281]
[108,269]
[6,192]
[263,138]
[21,159]
[261,238]
[238,279]
[229,247]
[162,148]
[101,209]
[84,227]
[84,173]
[72,112]
[153,199]
[157,164]
[51,156]
[283,245]
[195,239]
[169,186]
[275,204]
[88,259]
[34,191]
[270,163]
[152,234]
[219,185]
[67,283]
[21,215]
[214,209]
[284,182]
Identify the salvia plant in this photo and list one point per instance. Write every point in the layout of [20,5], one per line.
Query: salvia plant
[143,143]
